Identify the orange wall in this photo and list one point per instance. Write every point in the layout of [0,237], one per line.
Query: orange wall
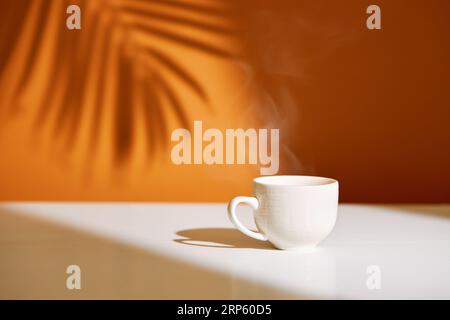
[370,108]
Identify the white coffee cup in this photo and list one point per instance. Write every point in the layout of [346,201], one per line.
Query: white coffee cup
[292,212]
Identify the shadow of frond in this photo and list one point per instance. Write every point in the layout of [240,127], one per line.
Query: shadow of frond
[111,66]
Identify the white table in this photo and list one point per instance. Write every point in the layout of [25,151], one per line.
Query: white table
[192,251]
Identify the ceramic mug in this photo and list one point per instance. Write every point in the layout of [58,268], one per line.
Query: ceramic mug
[292,212]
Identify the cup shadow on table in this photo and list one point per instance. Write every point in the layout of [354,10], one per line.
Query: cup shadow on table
[35,253]
[219,238]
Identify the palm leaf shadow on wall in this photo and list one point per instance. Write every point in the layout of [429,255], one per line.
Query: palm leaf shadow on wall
[114,46]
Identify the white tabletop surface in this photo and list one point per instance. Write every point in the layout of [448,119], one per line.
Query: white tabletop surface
[191,251]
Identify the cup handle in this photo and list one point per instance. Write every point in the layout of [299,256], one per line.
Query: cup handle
[252,202]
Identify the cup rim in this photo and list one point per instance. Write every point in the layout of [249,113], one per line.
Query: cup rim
[271,181]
